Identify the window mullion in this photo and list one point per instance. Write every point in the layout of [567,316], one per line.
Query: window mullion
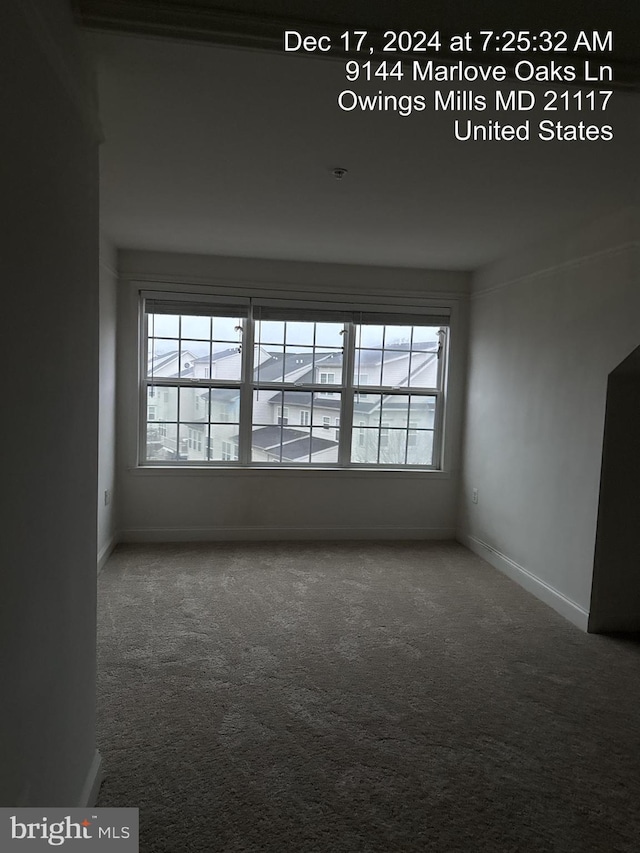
[209,374]
[346,408]
[246,392]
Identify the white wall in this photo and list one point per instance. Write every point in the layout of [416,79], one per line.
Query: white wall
[107,521]
[211,504]
[49,250]
[546,328]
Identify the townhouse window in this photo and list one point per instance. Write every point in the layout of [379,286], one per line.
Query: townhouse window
[283,415]
[229,451]
[253,383]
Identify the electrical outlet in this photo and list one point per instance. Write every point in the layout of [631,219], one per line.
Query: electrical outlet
[107,497]
[474,496]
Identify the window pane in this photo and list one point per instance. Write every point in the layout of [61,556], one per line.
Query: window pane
[196,327]
[395,368]
[370,336]
[192,441]
[424,370]
[161,442]
[225,329]
[397,337]
[194,349]
[300,334]
[226,362]
[330,335]
[269,332]
[271,366]
[186,365]
[366,409]
[324,446]
[194,358]
[393,446]
[426,338]
[328,366]
[422,412]
[368,366]
[164,401]
[325,409]
[163,357]
[395,410]
[223,443]
[163,325]
[225,405]
[365,444]
[420,447]
[194,404]
[298,364]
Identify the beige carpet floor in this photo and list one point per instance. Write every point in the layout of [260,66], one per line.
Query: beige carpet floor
[377,697]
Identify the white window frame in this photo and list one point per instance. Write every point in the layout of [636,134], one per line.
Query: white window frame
[347,390]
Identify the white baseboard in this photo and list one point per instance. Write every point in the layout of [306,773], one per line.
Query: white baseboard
[541,589]
[92,783]
[257,534]
[105,552]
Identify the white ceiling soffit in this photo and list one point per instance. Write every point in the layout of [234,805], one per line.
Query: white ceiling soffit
[221,151]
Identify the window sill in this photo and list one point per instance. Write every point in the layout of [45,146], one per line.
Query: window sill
[265,471]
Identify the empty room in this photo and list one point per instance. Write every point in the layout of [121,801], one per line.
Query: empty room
[321,529]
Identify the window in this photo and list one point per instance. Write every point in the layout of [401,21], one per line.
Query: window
[229,451]
[283,415]
[292,386]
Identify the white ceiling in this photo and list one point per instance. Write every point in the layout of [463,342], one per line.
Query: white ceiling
[223,151]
